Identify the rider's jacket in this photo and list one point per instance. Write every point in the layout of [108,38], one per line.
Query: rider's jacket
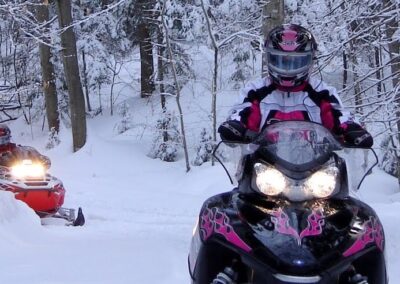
[313,101]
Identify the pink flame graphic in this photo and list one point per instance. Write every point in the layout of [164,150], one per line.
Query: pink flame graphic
[315,222]
[372,232]
[281,221]
[214,221]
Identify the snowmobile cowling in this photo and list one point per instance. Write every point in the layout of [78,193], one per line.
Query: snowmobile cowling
[43,193]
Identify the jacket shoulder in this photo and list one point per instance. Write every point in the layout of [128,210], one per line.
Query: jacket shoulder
[253,85]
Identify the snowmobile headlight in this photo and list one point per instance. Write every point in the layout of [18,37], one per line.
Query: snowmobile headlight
[269,181]
[322,183]
[28,169]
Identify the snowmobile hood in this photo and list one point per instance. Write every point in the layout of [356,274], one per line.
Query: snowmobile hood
[311,236]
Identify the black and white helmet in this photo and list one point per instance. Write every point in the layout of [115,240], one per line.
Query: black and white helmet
[290,51]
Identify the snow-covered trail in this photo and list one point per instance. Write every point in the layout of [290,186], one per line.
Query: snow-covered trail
[140,214]
[139,219]
[381,192]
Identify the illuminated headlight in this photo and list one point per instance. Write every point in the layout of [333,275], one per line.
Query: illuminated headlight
[322,183]
[269,180]
[27,169]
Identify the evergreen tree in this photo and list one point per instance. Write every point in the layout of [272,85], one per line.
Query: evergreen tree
[389,159]
[167,140]
[204,149]
[53,140]
[126,122]
[242,68]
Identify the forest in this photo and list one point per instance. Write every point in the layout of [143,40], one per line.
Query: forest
[62,63]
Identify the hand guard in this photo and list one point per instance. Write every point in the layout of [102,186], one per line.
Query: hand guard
[355,135]
[235,131]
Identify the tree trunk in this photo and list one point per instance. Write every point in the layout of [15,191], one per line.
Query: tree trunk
[160,74]
[160,66]
[71,69]
[345,66]
[214,99]
[378,73]
[273,15]
[176,82]
[86,81]
[214,88]
[146,61]
[49,85]
[357,84]
[354,66]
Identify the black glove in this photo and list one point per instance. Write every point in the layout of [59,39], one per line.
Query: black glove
[235,131]
[357,136]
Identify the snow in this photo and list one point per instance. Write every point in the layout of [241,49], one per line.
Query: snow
[139,216]
[139,213]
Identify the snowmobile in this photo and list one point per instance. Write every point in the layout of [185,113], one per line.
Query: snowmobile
[293,217]
[44,193]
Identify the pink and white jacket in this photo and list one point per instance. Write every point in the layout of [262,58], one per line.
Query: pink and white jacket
[264,103]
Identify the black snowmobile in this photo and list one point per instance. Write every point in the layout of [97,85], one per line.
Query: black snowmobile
[291,218]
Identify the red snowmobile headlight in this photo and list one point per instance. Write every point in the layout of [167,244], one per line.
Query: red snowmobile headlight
[28,169]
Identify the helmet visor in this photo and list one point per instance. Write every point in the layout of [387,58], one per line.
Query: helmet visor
[289,63]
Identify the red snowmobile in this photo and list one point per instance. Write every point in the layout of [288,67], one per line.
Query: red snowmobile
[44,193]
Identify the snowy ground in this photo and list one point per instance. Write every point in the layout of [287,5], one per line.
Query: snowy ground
[140,214]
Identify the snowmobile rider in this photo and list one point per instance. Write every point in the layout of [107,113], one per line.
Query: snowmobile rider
[11,152]
[289,93]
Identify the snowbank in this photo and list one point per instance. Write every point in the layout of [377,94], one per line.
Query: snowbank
[16,218]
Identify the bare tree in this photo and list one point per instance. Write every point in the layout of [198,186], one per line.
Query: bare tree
[49,85]
[177,86]
[71,68]
[222,34]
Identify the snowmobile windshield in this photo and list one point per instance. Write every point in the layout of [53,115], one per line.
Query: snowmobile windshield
[296,144]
